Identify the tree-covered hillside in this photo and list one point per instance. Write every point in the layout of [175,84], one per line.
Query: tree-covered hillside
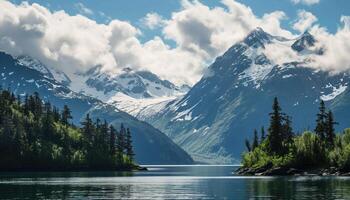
[35,135]
[283,152]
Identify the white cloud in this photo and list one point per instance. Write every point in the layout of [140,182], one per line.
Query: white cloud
[82,9]
[336,46]
[305,21]
[201,33]
[76,43]
[208,32]
[153,20]
[306,2]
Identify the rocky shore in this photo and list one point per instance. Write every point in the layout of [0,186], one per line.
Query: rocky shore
[288,171]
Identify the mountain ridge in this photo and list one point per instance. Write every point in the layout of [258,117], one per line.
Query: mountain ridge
[223,108]
[25,80]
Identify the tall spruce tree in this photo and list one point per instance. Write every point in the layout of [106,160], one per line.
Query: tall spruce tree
[329,129]
[320,129]
[129,147]
[287,129]
[66,115]
[120,144]
[88,130]
[112,136]
[275,130]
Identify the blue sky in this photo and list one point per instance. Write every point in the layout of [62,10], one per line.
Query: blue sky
[328,12]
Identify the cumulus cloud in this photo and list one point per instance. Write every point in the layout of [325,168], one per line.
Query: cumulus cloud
[306,2]
[153,20]
[305,21]
[336,47]
[77,43]
[208,32]
[82,9]
[201,33]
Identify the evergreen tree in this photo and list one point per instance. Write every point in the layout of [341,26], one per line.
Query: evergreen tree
[255,140]
[320,129]
[120,144]
[275,129]
[287,129]
[112,133]
[66,115]
[129,147]
[47,122]
[88,130]
[56,114]
[32,136]
[329,129]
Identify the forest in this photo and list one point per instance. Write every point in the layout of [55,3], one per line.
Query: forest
[35,135]
[283,152]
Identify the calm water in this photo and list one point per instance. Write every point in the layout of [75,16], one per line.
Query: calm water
[169,182]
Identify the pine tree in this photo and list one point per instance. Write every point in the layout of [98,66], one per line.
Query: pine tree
[112,135]
[275,129]
[122,138]
[120,144]
[47,122]
[104,137]
[88,129]
[255,140]
[66,115]
[287,129]
[321,121]
[129,147]
[56,114]
[329,129]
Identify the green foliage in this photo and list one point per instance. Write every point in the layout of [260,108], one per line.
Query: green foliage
[37,136]
[310,150]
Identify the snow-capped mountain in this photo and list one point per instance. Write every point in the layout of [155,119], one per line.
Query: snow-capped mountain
[136,84]
[130,91]
[24,75]
[212,120]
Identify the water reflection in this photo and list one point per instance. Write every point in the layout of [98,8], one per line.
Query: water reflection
[300,188]
[170,182]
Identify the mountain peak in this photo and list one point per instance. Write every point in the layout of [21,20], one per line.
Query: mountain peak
[304,41]
[257,38]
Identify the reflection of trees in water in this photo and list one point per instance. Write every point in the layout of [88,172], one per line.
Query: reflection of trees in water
[37,191]
[299,188]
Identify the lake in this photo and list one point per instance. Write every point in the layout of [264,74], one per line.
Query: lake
[169,182]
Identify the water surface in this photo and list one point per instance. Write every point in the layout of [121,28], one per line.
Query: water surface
[169,182]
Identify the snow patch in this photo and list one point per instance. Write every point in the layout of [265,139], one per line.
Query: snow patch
[335,93]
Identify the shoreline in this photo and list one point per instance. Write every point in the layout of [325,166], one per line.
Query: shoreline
[290,171]
[126,169]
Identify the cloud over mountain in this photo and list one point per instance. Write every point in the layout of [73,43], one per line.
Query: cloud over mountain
[201,33]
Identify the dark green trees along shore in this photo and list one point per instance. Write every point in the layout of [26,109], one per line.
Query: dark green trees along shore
[320,149]
[37,136]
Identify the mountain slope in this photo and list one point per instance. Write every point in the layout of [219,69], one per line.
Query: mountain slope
[212,120]
[148,141]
